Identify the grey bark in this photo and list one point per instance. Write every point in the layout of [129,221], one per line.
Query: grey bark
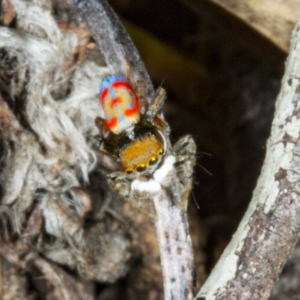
[253,260]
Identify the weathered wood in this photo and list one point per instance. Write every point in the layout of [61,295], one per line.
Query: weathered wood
[253,260]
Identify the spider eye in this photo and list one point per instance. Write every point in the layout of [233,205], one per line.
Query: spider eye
[141,168]
[153,160]
[161,151]
[129,171]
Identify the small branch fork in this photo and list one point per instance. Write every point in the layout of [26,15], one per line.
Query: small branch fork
[266,236]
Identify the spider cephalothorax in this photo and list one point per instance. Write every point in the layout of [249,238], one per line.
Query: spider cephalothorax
[142,151]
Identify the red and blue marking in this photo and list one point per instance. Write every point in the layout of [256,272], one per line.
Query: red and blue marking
[119,102]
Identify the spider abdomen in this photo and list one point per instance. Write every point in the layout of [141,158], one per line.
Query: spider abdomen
[119,102]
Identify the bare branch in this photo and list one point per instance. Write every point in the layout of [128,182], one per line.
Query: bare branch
[253,260]
[172,230]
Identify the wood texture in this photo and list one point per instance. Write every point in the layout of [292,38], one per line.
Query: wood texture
[268,232]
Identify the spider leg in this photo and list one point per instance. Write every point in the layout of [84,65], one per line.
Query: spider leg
[106,141]
[156,107]
[185,153]
[102,127]
[141,92]
[121,183]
